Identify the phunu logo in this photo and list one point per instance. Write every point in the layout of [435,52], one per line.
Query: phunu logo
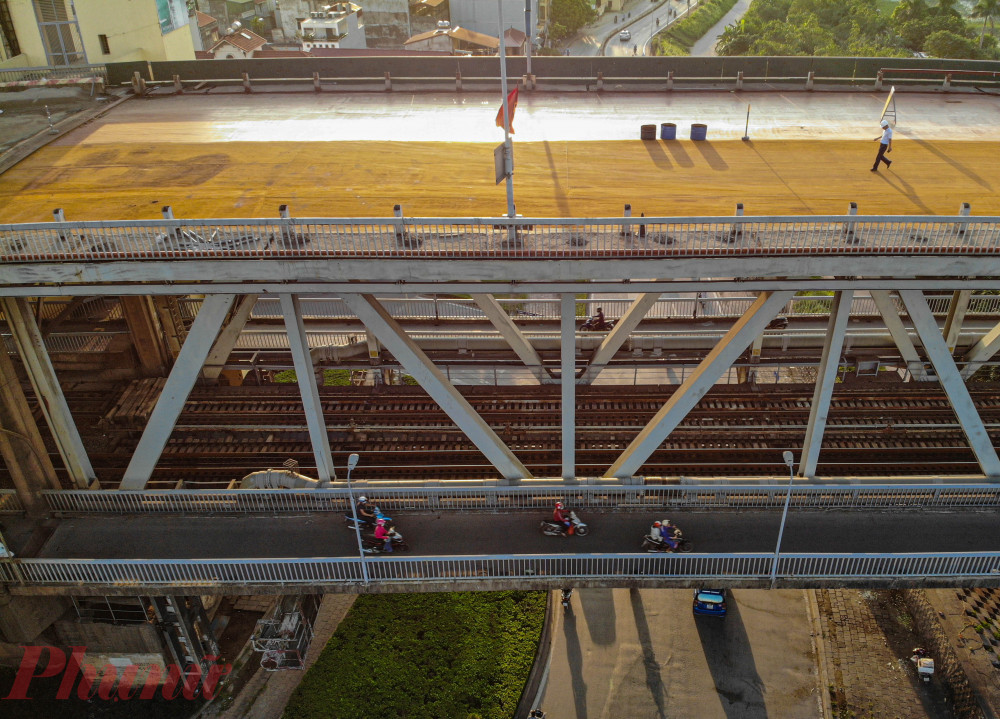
[112,685]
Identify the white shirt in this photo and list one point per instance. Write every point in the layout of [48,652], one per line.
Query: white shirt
[886,136]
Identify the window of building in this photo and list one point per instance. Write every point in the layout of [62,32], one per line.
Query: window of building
[60,33]
[8,38]
[105,48]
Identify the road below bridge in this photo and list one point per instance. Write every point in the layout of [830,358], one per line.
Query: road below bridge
[435,534]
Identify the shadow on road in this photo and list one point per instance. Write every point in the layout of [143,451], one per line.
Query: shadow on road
[730,659]
[660,159]
[653,679]
[711,155]
[599,611]
[574,655]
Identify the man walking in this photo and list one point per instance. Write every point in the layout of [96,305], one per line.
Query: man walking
[884,146]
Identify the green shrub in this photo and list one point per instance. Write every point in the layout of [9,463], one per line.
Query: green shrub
[425,656]
[331,377]
[679,37]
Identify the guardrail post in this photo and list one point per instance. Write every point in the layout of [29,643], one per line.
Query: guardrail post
[947,81]
[388,83]
[959,227]
[735,230]
[626,230]
[58,215]
[178,87]
[670,80]
[739,80]
[246,83]
[847,231]
[138,83]
[600,80]
[458,80]
[168,212]
[878,80]
[642,225]
[316,85]
[810,80]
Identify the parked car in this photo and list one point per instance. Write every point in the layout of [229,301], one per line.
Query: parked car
[624,36]
[710,602]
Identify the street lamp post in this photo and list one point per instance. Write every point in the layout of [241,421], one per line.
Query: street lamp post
[352,462]
[790,461]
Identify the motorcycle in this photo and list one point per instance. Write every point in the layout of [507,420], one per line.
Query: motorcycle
[553,528]
[592,325]
[925,665]
[366,526]
[566,596]
[658,545]
[372,545]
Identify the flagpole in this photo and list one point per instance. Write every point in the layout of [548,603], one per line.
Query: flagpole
[508,146]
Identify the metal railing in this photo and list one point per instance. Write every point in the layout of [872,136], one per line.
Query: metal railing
[612,569]
[54,72]
[10,503]
[605,238]
[71,342]
[618,498]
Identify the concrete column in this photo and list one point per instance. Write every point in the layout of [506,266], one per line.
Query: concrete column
[174,332]
[147,335]
[705,375]
[50,395]
[567,347]
[825,381]
[951,381]
[21,444]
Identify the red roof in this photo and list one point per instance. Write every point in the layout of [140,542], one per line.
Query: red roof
[371,52]
[204,19]
[245,40]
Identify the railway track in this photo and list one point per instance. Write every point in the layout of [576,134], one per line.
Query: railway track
[226,433]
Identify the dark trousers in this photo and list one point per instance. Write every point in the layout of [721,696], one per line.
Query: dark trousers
[881,156]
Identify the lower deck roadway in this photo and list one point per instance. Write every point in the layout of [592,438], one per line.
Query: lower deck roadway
[326,535]
[575,154]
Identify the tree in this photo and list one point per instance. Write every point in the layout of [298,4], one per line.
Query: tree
[571,15]
[945,43]
[987,10]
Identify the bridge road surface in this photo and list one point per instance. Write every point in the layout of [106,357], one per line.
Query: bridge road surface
[576,154]
[453,533]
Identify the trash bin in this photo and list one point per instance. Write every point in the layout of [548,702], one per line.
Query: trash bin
[668,131]
[699,131]
[647,132]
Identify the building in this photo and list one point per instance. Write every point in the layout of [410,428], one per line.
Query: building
[456,40]
[205,30]
[340,25]
[239,44]
[481,15]
[39,33]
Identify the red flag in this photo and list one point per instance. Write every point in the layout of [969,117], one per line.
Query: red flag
[511,106]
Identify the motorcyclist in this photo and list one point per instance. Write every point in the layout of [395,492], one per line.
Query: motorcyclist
[366,511]
[561,514]
[597,321]
[669,533]
[382,532]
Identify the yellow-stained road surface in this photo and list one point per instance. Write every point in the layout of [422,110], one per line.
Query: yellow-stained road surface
[158,154]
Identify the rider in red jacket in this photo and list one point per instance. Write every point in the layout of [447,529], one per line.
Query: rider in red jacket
[561,515]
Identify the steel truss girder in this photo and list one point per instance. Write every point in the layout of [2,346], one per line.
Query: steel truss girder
[956,316]
[261,276]
[306,379]
[826,378]
[890,315]
[981,352]
[705,375]
[228,337]
[178,386]
[51,399]
[617,336]
[391,335]
[951,381]
[513,335]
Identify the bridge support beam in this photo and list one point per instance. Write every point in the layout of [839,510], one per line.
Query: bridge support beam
[567,357]
[951,381]
[21,445]
[228,337]
[514,337]
[43,378]
[178,386]
[147,335]
[981,352]
[956,316]
[826,378]
[704,376]
[419,366]
[617,337]
[890,315]
[306,378]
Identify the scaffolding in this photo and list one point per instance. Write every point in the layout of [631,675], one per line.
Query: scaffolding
[283,638]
